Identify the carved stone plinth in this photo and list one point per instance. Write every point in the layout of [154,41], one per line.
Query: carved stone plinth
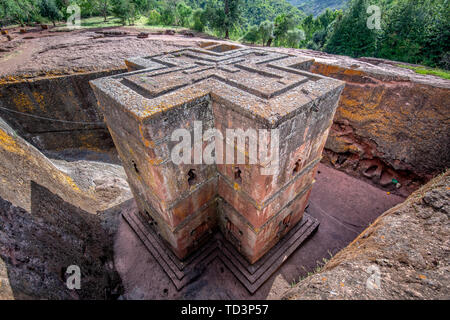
[197,89]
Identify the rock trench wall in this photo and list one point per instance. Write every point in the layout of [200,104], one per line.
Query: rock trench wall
[51,220]
[37,247]
[68,99]
[388,127]
[402,255]
[391,128]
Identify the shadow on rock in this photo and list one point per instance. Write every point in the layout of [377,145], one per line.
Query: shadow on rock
[37,248]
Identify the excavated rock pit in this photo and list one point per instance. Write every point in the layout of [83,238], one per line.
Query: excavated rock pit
[60,173]
[392,127]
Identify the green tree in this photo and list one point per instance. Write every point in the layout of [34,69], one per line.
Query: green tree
[199,19]
[88,7]
[317,30]
[253,12]
[183,13]
[351,36]
[48,9]
[309,26]
[256,11]
[216,16]
[294,37]
[11,11]
[318,40]
[168,16]
[326,18]
[252,34]
[19,11]
[283,23]
[154,18]
[266,32]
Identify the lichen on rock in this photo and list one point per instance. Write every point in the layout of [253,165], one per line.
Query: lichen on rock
[404,254]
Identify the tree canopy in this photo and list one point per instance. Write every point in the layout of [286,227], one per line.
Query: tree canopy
[414,31]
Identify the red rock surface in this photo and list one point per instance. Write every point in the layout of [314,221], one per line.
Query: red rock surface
[391,125]
[345,206]
[402,255]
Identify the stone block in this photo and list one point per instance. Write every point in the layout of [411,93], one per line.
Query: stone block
[224,88]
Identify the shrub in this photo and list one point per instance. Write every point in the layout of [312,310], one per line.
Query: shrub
[183,13]
[294,37]
[266,32]
[167,16]
[199,20]
[154,18]
[252,34]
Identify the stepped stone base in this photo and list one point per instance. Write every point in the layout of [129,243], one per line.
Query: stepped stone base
[252,276]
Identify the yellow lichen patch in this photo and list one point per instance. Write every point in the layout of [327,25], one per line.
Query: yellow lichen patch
[9,79]
[147,143]
[362,97]
[325,69]
[9,144]
[353,72]
[155,162]
[86,140]
[71,183]
[23,103]
[236,186]
[328,69]
[39,99]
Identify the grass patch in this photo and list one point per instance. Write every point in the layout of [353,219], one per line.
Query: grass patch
[87,23]
[428,71]
[98,22]
[319,268]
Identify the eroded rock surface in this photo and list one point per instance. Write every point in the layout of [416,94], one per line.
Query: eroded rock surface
[392,123]
[63,53]
[54,215]
[391,127]
[84,184]
[37,247]
[404,254]
[44,81]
